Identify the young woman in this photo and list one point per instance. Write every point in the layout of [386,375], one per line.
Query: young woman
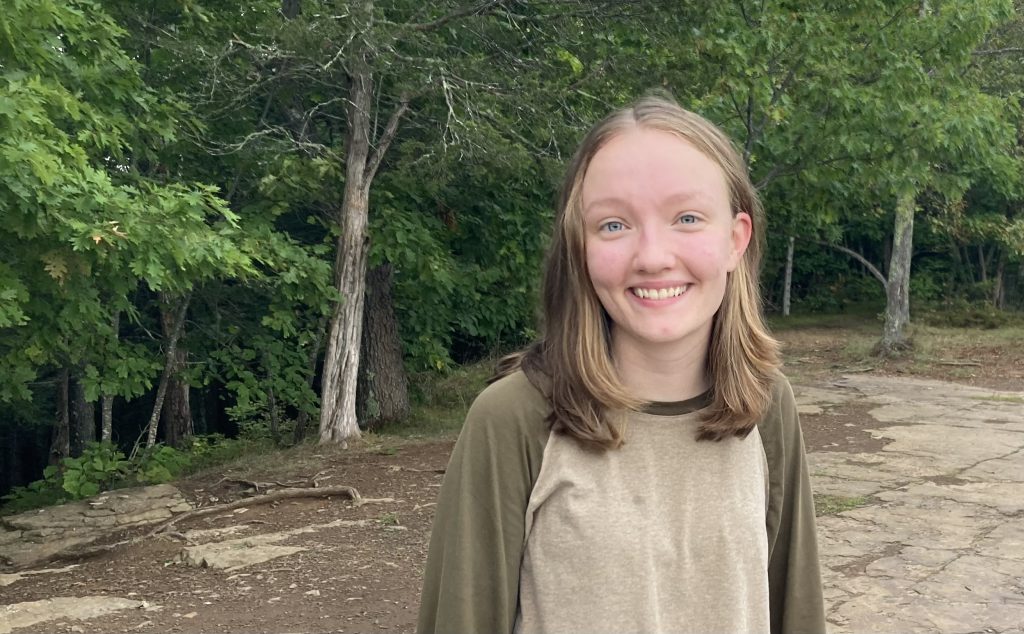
[641,468]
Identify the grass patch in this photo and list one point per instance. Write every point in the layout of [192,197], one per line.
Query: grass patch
[968,316]
[440,401]
[266,461]
[939,339]
[867,320]
[1001,398]
[936,350]
[833,504]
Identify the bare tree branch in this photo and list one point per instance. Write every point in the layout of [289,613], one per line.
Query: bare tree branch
[479,9]
[385,138]
[860,258]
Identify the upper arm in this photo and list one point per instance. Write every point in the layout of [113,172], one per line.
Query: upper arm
[471,581]
[794,576]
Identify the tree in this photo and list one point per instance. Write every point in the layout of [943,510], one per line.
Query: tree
[339,90]
[807,92]
[84,227]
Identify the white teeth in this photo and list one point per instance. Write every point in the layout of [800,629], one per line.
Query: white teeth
[659,293]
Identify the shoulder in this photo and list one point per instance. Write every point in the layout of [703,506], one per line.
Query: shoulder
[514,389]
[512,405]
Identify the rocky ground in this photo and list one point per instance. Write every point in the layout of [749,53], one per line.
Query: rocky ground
[923,482]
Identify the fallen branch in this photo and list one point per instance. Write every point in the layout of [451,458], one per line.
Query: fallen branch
[312,482]
[970,363]
[284,494]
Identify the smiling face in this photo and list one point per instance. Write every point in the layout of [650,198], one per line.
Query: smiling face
[660,239]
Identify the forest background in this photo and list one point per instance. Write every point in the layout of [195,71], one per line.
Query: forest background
[228,225]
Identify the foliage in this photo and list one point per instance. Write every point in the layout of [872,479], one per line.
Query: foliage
[959,313]
[90,217]
[189,147]
[159,464]
[99,466]
[441,399]
[102,467]
[97,469]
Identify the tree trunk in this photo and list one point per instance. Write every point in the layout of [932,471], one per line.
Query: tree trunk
[897,292]
[965,257]
[107,401]
[886,256]
[107,418]
[338,420]
[788,283]
[165,377]
[383,389]
[291,9]
[83,418]
[962,274]
[275,421]
[60,440]
[999,285]
[177,411]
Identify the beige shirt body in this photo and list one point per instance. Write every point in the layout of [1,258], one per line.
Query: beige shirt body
[664,534]
[479,577]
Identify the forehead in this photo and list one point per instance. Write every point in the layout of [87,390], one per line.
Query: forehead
[641,165]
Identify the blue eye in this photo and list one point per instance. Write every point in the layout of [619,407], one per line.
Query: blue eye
[687,219]
[613,226]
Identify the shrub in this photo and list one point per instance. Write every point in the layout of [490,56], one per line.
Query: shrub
[97,469]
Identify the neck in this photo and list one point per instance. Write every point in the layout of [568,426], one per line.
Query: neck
[655,374]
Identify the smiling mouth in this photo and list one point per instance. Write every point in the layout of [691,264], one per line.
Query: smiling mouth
[659,293]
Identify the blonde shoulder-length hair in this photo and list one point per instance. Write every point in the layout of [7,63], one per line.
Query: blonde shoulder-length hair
[573,362]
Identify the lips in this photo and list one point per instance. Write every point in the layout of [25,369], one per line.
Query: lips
[659,293]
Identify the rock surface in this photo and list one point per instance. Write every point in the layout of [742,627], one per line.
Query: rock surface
[37,536]
[31,613]
[938,543]
[233,554]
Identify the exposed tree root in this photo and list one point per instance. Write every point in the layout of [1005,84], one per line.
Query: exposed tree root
[312,481]
[266,498]
[412,470]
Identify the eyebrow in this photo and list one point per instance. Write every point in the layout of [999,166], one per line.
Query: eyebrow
[674,199]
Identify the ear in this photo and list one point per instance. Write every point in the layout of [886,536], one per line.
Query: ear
[742,229]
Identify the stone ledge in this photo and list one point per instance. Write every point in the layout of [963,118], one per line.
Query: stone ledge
[36,536]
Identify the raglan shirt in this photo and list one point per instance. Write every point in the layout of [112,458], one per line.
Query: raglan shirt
[534,534]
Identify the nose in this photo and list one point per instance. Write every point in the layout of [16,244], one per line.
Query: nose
[653,251]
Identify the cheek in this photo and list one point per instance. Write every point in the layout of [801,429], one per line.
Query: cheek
[710,258]
[605,265]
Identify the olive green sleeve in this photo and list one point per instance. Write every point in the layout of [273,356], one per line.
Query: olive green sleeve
[471,581]
[794,576]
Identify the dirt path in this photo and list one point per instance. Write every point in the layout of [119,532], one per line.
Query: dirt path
[359,577]
[930,474]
